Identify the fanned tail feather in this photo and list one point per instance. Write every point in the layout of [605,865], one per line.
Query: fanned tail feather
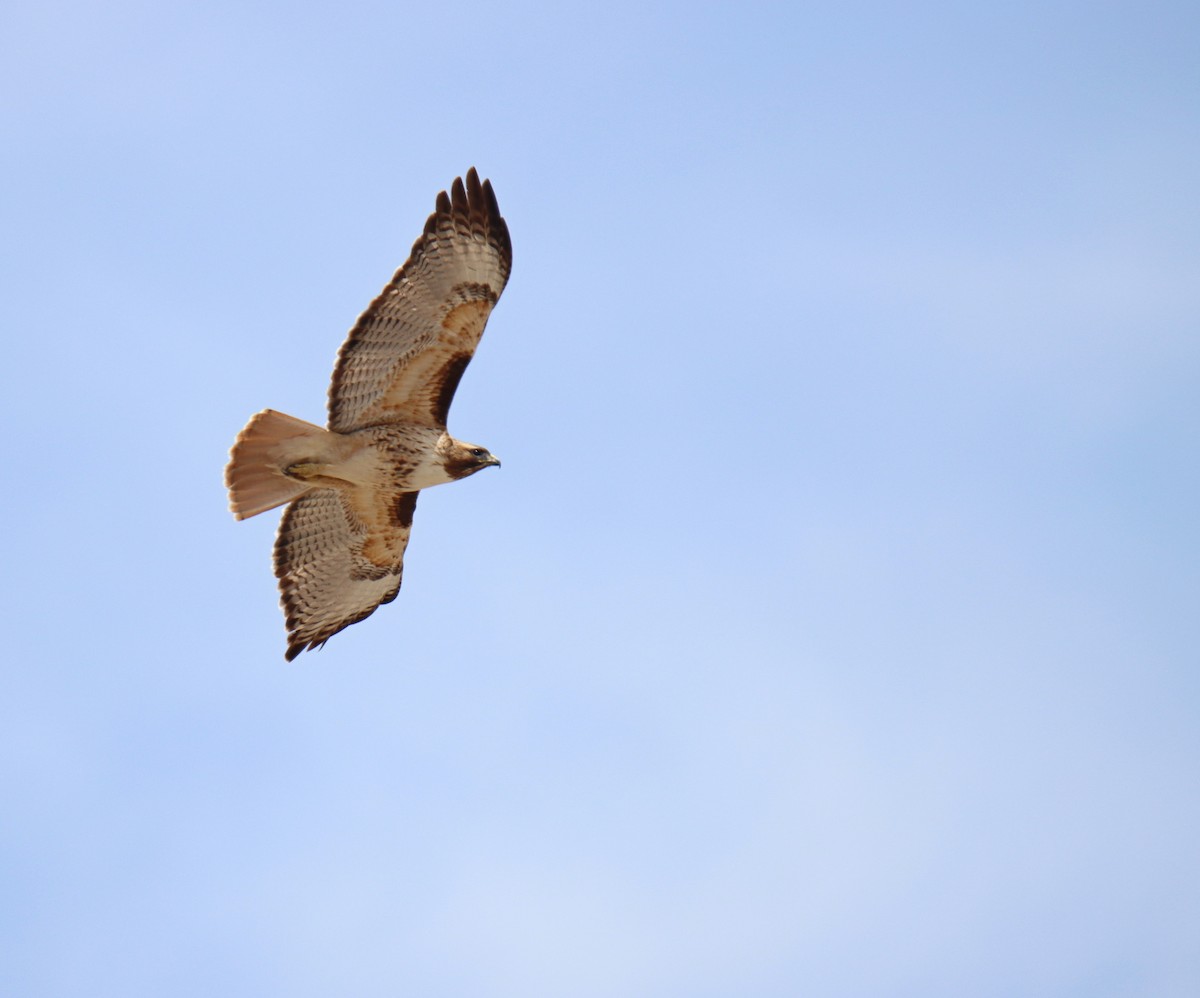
[270,442]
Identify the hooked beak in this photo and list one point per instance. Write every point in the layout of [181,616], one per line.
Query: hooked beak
[492,459]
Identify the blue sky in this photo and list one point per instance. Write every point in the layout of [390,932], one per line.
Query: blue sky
[831,628]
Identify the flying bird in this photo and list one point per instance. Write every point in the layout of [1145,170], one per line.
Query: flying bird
[351,489]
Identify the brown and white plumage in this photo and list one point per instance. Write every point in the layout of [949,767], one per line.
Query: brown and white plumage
[353,487]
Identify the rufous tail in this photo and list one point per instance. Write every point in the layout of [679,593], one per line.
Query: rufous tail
[255,475]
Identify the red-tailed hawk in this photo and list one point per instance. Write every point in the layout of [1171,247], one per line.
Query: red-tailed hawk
[352,488]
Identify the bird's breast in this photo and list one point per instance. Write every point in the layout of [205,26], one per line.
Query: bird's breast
[408,456]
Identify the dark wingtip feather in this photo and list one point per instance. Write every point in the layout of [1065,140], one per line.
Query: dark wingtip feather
[442,208]
[311,644]
[474,191]
[493,205]
[458,195]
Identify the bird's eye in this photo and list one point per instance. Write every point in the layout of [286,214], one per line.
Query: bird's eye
[478,452]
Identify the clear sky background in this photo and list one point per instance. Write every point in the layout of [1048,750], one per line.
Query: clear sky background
[832,626]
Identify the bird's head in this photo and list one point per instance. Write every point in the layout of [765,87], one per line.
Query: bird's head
[461,459]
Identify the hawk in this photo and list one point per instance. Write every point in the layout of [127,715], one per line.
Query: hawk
[351,489]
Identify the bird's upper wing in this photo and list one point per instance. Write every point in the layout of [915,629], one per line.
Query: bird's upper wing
[339,555]
[404,357]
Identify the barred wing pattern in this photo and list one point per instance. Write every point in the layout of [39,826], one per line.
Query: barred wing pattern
[404,357]
[338,558]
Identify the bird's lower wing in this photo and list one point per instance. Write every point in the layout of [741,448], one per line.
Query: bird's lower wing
[339,555]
